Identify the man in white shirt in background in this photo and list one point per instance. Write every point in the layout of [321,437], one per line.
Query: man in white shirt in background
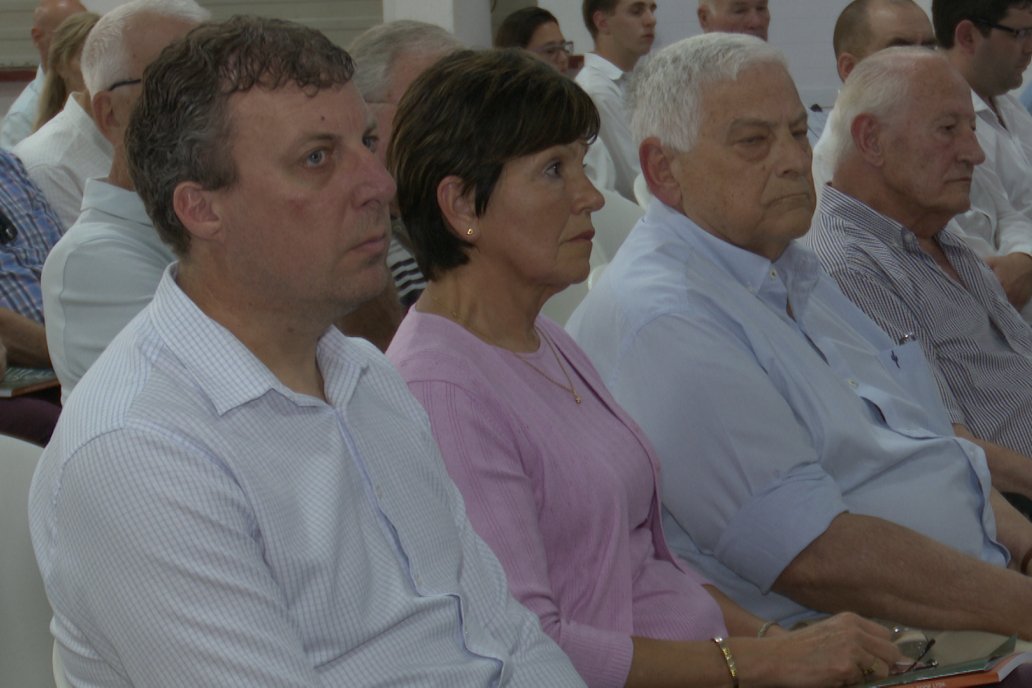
[623,31]
[21,116]
[990,43]
[105,268]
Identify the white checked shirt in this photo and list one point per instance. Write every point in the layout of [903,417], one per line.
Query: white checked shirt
[198,523]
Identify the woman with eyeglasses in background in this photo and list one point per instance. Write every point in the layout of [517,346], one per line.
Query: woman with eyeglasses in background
[537,31]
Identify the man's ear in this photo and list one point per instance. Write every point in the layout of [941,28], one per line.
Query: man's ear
[703,14]
[601,21]
[866,131]
[657,167]
[845,64]
[457,207]
[967,36]
[105,118]
[197,210]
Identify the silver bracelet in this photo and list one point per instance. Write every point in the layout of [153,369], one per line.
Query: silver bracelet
[764,628]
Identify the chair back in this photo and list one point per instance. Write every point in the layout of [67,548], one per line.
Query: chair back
[25,640]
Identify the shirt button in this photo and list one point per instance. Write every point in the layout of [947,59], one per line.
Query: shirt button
[773,273]
[853,383]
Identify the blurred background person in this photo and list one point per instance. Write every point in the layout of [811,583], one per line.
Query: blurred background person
[488,154]
[388,57]
[536,30]
[64,76]
[17,123]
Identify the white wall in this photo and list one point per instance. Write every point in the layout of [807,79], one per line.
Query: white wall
[470,20]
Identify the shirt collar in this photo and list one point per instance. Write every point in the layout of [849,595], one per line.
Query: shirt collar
[116,201]
[601,64]
[226,370]
[793,275]
[982,108]
[865,219]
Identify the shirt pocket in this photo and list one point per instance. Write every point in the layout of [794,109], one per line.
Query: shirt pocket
[908,397]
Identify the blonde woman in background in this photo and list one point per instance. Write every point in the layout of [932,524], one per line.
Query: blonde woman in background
[64,76]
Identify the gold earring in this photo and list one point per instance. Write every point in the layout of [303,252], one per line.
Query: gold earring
[469,231]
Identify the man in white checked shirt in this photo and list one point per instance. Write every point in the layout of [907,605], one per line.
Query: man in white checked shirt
[239,495]
[903,151]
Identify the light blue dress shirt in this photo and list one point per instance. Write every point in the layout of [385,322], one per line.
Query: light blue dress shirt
[767,427]
[198,523]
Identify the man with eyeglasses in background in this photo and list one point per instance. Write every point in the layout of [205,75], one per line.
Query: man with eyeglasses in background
[107,266]
[990,43]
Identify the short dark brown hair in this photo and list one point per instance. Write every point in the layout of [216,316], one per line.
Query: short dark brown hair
[518,28]
[180,129]
[589,7]
[468,115]
[946,14]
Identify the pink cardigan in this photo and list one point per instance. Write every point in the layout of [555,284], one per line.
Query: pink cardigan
[566,495]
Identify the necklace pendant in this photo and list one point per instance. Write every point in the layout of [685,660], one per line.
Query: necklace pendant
[577,398]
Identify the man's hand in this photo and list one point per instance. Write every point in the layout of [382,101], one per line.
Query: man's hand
[1014,271]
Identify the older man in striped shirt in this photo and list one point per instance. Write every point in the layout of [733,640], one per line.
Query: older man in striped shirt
[903,152]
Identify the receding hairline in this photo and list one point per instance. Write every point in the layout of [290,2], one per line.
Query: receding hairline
[853,32]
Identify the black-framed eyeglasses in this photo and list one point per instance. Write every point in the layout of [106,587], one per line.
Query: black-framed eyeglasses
[553,49]
[1020,34]
[124,82]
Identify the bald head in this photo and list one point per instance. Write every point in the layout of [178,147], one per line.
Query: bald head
[735,16]
[47,16]
[866,26]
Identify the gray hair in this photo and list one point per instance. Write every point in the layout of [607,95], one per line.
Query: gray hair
[878,86]
[376,50]
[105,55]
[666,92]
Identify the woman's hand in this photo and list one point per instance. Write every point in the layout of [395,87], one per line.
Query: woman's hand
[843,650]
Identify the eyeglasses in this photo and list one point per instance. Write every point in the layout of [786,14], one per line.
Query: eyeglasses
[125,82]
[553,49]
[1019,34]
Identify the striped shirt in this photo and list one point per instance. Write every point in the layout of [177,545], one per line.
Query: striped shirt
[979,346]
[408,279]
[30,229]
[197,523]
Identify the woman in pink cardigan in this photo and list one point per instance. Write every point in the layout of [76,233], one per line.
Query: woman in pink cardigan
[487,153]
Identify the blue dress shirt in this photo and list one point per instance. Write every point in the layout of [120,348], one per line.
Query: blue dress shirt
[197,523]
[775,405]
[36,228]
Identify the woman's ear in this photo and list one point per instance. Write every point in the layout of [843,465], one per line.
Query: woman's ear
[457,207]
